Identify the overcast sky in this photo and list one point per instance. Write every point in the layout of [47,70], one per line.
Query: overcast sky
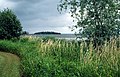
[39,15]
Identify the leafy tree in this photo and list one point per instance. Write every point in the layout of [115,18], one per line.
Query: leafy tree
[25,33]
[10,26]
[100,19]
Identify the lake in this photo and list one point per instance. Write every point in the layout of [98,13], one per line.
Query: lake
[57,36]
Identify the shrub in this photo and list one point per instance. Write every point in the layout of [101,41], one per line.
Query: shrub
[10,26]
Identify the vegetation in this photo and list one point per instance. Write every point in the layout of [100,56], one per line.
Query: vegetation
[60,58]
[47,33]
[99,19]
[50,57]
[10,26]
[25,33]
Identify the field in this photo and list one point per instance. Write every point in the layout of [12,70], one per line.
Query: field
[60,58]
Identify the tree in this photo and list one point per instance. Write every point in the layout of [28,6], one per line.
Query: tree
[25,33]
[98,18]
[10,26]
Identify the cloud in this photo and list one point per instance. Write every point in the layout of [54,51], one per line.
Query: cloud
[60,23]
[5,4]
[39,15]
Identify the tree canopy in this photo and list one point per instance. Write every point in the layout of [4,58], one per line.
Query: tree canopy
[10,26]
[99,19]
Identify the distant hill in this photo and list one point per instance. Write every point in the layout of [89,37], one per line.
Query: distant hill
[47,33]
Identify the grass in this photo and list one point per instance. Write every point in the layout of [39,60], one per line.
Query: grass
[60,58]
[9,65]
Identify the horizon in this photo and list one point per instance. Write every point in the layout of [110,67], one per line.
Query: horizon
[52,31]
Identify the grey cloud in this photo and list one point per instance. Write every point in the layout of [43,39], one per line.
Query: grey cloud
[30,1]
[39,15]
[40,9]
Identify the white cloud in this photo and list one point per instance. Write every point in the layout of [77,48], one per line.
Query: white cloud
[6,4]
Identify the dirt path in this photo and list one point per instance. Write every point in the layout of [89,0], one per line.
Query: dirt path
[9,65]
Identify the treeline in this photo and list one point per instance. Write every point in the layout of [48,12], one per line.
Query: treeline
[47,33]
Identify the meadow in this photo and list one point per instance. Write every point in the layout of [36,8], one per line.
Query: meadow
[44,57]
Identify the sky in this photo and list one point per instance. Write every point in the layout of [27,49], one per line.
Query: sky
[39,15]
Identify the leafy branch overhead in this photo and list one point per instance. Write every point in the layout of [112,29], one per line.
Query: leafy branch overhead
[100,19]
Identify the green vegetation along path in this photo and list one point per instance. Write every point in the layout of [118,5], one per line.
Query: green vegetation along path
[9,65]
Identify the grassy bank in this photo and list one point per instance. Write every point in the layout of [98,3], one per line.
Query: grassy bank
[60,58]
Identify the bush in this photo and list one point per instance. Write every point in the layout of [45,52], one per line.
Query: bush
[10,26]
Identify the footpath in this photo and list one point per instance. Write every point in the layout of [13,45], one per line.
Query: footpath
[9,65]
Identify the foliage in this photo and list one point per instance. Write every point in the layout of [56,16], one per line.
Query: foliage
[98,18]
[25,33]
[10,26]
[62,58]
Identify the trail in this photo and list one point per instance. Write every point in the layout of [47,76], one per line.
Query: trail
[9,65]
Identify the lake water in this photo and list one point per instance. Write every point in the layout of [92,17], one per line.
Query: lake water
[57,36]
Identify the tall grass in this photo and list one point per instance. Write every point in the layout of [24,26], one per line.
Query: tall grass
[60,58]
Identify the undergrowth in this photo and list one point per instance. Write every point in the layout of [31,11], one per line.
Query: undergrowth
[60,58]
